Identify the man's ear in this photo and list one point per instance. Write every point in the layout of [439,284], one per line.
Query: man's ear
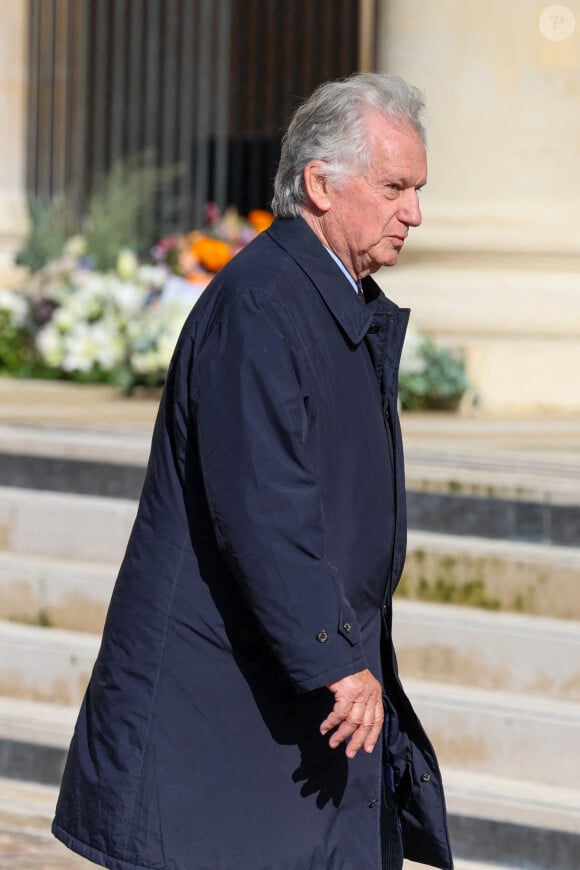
[316,185]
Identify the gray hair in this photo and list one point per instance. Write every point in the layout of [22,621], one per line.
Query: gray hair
[331,126]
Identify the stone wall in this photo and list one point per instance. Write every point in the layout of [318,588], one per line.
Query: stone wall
[13,112]
[495,268]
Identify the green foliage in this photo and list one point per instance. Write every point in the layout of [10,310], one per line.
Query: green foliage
[118,216]
[446,589]
[11,341]
[41,618]
[50,225]
[436,379]
[17,349]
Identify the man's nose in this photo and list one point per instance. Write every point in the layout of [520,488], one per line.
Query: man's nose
[410,210]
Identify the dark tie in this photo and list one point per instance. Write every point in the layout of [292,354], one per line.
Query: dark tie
[361,295]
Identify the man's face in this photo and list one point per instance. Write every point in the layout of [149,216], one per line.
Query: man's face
[370,215]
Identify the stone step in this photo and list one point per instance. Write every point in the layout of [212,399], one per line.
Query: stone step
[120,445]
[444,453]
[505,734]
[513,823]
[34,739]
[500,651]
[456,645]
[518,801]
[478,731]
[532,578]
[507,494]
[61,593]
[37,723]
[42,664]
[64,526]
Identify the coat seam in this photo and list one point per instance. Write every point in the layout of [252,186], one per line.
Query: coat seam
[154,699]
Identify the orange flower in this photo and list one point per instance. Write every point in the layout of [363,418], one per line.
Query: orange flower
[212,254]
[260,219]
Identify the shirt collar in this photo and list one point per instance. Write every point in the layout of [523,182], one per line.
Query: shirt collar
[342,267]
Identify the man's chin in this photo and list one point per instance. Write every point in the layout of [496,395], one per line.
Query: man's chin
[391,260]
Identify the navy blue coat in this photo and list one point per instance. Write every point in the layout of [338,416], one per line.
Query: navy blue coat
[270,535]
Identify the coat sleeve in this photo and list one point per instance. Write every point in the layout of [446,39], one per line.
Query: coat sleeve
[264,494]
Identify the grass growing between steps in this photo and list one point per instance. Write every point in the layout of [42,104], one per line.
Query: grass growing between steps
[41,619]
[489,583]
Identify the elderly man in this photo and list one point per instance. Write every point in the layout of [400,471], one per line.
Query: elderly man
[244,712]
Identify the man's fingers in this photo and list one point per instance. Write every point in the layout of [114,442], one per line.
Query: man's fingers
[350,712]
[362,724]
[367,734]
[337,715]
[375,731]
[357,714]
[351,723]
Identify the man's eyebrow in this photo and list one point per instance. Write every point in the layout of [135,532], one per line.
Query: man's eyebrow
[403,180]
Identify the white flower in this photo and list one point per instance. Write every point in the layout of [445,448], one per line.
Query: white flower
[153,277]
[80,278]
[126,297]
[166,345]
[127,264]
[64,319]
[16,306]
[108,345]
[412,361]
[153,337]
[90,345]
[50,345]
[145,363]
[78,350]
[75,246]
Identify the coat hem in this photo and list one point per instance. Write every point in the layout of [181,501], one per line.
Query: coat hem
[92,854]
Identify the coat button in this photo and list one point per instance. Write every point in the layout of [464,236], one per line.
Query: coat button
[373,804]
[347,627]
[322,636]
[425,777]
[374,327]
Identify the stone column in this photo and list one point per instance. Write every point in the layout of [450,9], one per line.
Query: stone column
[495,268]
[13,112]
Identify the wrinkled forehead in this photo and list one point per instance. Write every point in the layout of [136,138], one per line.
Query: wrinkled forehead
[395,145]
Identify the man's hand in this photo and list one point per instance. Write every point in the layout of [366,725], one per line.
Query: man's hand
[357,713]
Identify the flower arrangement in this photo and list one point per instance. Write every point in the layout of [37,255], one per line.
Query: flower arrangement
[118,325]
[16,345]
[202,253]
[430,376]
[83,324]
[91,310]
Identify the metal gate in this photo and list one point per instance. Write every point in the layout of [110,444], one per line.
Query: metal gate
[204,84]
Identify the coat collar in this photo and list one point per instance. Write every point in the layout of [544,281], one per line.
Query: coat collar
[298,240]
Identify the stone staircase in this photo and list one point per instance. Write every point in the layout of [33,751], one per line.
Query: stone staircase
[499,692]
